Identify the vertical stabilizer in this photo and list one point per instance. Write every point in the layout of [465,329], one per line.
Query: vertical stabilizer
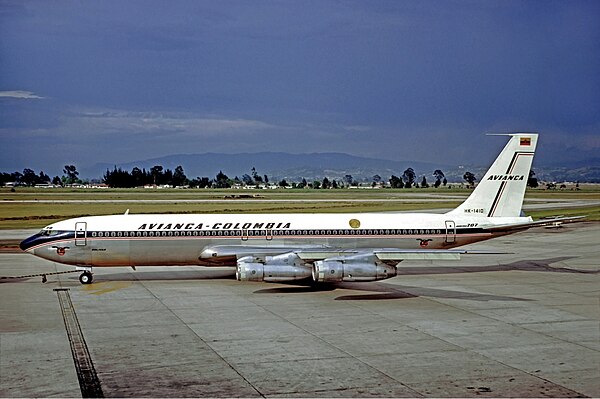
[500,192]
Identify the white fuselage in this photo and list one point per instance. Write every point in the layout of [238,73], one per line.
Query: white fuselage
[153,240]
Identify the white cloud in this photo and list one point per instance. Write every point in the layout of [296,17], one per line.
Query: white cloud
[20,94]
[145,122]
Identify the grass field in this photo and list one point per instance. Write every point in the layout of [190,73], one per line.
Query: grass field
[35,208]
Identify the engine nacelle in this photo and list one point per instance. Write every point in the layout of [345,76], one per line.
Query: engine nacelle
[337,270]
[286,267]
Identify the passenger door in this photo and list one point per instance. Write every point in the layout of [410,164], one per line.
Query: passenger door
[80,234]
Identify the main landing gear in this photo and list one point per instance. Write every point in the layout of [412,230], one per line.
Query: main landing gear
[86,277]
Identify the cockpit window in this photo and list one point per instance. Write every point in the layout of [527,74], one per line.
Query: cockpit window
[49,232]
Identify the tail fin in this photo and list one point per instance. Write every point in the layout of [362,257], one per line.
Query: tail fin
[501,190]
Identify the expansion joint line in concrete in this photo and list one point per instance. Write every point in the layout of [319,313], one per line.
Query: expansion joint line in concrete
[84,367]
[417,394]
[203,341]
[482,353]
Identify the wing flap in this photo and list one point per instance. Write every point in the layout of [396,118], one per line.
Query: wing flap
[240,251]
[419,255]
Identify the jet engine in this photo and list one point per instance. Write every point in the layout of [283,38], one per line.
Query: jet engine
[351,270]
[285,267]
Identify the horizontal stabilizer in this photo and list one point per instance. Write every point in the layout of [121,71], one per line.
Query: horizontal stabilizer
[552,222]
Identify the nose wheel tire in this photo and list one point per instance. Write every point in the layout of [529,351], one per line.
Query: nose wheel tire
[86,278]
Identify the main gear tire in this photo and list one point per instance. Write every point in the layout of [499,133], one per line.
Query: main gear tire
[86,278]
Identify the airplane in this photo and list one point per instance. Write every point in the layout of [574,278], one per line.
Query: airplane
[288,247]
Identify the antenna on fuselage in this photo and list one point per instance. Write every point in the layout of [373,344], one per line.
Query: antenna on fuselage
[126,212]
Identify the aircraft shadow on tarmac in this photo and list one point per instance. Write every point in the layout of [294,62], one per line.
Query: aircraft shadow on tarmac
[199,274]
[229,273]
[382,290]
[386,291]
[542,265]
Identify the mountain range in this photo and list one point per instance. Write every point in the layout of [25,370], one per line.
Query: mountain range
[294,167]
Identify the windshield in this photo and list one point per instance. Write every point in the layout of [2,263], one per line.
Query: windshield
[49,232]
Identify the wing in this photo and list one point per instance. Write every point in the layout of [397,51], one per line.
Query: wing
[314,253]
[322,264]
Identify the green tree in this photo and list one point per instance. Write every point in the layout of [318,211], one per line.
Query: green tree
[439,175]
[409,177]
[222,181]
[167,177]
[156,172]
[201,182]
[326,184]
[376,180]
[396,182]
[179,177]
[138,177]
[257,178]
[348,180]
[247,180]
[469,178]
[43,178]
[29,177]
[71,174]
[532,181]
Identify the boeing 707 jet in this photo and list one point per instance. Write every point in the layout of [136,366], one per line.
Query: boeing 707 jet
[287,247]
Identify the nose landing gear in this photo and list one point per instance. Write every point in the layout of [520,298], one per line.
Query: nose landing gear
[86,277]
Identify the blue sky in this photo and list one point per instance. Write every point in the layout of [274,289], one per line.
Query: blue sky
[117,81]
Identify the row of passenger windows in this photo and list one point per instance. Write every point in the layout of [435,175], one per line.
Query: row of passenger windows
[262,233]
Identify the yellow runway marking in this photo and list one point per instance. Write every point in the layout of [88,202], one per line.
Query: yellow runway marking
[106,287]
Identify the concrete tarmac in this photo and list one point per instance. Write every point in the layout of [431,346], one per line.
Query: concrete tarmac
[524,324]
